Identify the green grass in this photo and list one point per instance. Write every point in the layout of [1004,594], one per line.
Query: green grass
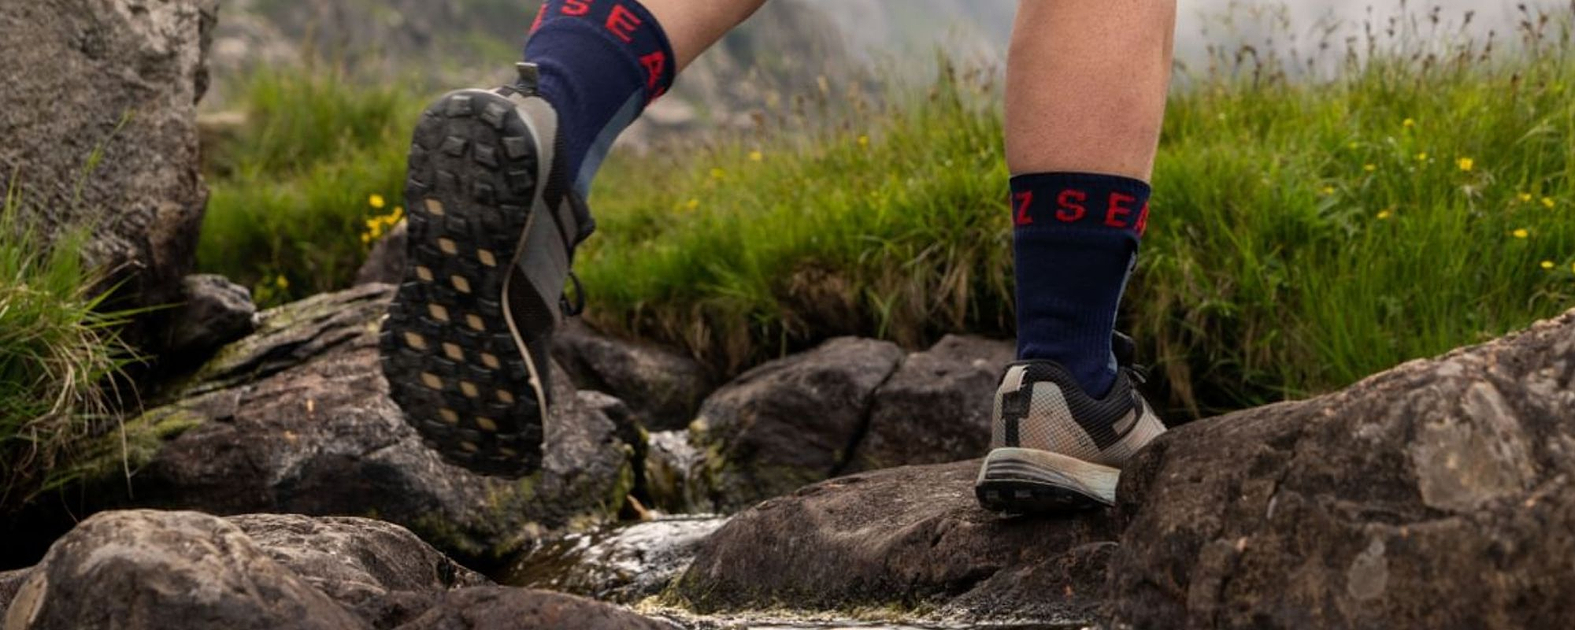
[1304,233]
[291,191]
[56,352]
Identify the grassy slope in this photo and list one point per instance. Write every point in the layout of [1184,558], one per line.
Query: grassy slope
[1304,234]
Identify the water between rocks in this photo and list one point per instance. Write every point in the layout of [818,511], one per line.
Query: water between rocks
[629,564]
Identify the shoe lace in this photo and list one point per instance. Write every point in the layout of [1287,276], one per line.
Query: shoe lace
[574,308]
[1125,349]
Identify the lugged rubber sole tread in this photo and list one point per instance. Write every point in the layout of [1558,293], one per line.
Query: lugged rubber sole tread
[449,356]
[1011,484]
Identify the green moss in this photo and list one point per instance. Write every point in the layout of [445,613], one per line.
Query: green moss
[135,445]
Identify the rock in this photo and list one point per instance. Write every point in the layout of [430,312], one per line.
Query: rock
[621,563]
[386,262]
[144,569]
[791,421]
[498,608]
[937,407]
[215,312]
[99,119]
[296,418]
[1439,494]
[379,571]
[675,473]
[663,388]
[903,538]
[10,581]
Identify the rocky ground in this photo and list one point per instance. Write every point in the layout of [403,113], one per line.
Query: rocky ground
[270,483]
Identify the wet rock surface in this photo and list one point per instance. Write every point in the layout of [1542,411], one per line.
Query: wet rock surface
[662,388]
[119,80]
[907,537]
[621,563]
[936,407]
[1440,494]
[791,421]
[296,418]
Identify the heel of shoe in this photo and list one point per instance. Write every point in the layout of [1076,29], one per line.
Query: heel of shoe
[1031,481]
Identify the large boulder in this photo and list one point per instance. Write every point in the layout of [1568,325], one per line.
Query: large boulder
[937,407]
[912,537]
[296,418]
[791,421]
[1439,494]
[157,570]
[662,388]
[98,117]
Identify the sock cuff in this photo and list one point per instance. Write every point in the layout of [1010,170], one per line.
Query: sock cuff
[627,25]
[1081,201]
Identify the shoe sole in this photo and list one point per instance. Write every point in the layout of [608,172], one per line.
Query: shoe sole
[454,361]
[1031,481]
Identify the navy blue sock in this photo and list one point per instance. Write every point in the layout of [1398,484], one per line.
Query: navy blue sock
[1075,240]
[601,63]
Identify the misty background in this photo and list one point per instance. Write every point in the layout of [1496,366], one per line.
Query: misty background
[788,48]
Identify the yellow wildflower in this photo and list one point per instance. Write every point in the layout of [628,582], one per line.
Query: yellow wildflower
[376,201]
[693,204]
[756,156]
[864,141]
[1354,145]
[1326,191]
[282,282]
[1369,167]
[1421,157]
[1547,264]
[1524,197]
[1408,123]
[1547,202]
[1465,163]
[1521,233]
[1385,214]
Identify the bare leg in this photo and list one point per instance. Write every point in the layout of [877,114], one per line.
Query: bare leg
[694,26]
[1085,85]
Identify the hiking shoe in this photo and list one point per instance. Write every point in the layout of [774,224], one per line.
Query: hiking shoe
[493,224]
[1054,448]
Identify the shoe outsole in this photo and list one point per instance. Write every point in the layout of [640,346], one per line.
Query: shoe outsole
[453,362]
[1027,481]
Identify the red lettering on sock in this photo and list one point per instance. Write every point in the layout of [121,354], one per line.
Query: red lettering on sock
[1023,199]
[1117,211]
[1071,202]
[576,7]
[1142,223]
[540,14]
[622,22]
[654,64]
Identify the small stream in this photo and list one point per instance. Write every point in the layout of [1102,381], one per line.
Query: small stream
[630,563]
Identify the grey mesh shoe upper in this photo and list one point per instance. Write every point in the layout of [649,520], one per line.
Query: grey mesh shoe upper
[1040,406]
